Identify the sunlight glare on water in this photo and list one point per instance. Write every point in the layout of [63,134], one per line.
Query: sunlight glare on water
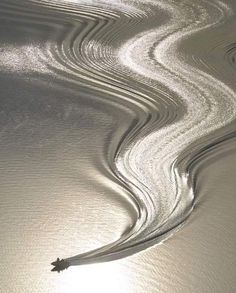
[104,278]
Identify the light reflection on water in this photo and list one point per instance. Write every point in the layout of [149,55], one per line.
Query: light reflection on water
[106,277]
[57,142]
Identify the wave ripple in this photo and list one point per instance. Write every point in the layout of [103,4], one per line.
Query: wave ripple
[137,55]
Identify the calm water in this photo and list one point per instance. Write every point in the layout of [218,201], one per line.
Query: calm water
[117,133]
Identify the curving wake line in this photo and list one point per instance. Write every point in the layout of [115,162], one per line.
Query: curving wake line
[155,164]
[132,55]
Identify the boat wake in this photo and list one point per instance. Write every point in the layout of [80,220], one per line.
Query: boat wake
[139,56]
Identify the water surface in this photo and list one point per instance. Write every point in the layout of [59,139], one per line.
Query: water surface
[117,133]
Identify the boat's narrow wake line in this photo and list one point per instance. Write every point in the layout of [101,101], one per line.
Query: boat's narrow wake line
[130,54]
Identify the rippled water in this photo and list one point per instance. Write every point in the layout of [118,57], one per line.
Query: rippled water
[117,128]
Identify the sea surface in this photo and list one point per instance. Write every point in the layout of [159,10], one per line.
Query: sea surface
[118,146]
